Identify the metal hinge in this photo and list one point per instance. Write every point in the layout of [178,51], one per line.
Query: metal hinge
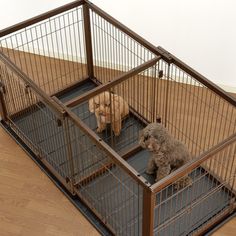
[165,54]
[63,113]
[160,74]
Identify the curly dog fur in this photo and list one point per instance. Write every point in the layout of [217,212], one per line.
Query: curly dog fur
[168,154]
[109,108]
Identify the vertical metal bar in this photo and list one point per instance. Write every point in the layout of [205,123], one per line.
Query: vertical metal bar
[114,50]
[222,120]
[88,40]
[106,61]
[3,110]
[227,166]
[94,34]
[100,49]
[49,59]
[69,153]
[112,118]
[213,131]
[11,104]
[35,71]
[58,49]
[116,53]
[66,43]
[183,120]
[146,103]
[45,64]
[199,126]
[194,146]
[55,62]
[62,48]
[77,41]
[148,212]
[31,70]
[110,58]
[69,32]
[233,165]
[120,52]
[154,98]
[167,94]
[41,80]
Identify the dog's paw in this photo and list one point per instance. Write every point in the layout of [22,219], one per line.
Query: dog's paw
[116,133]
[188,181]
[149,172]
[99,130]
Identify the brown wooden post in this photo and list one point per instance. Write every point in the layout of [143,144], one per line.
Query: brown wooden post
[88,40]
[63,121]
[67,138]
[148,212]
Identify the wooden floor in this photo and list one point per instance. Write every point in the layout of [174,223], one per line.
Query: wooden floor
[30,204]
[229,229]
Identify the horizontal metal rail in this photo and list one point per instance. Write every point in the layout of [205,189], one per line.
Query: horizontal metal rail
[105,147]
[156,50]
[108,165]
[187,168]
[108,85]
[40,17]
[95,211]
[167,56]
[126,30]
[176,61]
[213,222]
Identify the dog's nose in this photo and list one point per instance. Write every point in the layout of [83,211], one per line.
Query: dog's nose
[100,113]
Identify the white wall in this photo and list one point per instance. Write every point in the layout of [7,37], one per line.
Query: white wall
[200,32]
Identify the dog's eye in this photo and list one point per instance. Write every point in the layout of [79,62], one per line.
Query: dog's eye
[96,105]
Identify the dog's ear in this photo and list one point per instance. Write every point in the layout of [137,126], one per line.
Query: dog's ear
[159,133]
[91,105]
[146,137]
[115,112]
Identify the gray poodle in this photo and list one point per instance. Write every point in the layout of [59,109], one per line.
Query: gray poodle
[168,154]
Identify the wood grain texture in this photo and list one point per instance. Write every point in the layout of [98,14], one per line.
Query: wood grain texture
[30,204]
[229,229]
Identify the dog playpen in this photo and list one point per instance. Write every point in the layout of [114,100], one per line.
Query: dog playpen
[51,65]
